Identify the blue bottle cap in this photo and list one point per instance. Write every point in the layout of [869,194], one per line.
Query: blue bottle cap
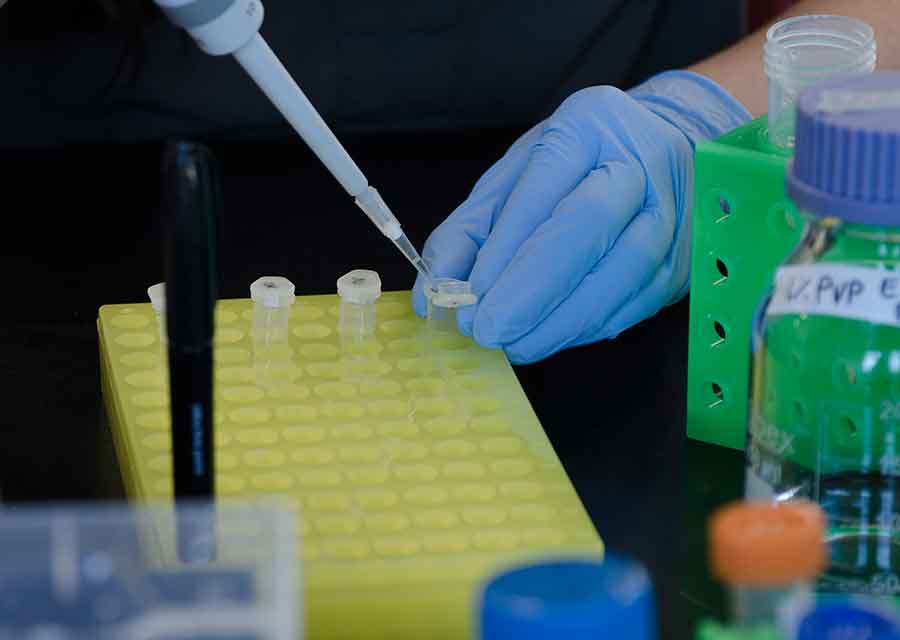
[846,620]
[847,156]
[571,599]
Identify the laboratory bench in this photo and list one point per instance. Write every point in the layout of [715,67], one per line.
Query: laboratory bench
[82,230]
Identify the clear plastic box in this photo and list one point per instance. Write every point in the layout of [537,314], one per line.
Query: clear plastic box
[79,572]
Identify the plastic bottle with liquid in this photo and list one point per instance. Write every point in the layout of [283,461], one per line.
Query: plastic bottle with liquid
[824,417]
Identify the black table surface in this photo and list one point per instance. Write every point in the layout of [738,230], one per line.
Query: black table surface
[82,229]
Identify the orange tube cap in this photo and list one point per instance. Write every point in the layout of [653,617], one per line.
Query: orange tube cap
[763,543]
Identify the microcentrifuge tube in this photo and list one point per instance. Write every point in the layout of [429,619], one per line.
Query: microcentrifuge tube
[445,296]
[273,297]
[157,294]
[358,290]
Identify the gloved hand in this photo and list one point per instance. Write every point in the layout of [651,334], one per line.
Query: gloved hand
[583,228]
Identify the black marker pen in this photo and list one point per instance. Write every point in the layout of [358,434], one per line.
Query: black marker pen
[192,202]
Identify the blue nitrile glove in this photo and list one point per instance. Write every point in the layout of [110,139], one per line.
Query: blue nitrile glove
[583,228]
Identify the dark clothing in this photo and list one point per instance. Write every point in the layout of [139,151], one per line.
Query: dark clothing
[367,65]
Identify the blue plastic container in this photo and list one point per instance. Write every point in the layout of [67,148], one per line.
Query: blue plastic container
[848,621]
[571,599]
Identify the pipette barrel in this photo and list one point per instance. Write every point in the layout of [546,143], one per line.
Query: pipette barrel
[266,70]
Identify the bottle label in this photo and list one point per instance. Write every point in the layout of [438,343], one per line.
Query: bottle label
[838,290]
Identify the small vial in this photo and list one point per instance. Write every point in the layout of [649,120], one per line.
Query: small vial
[157,295]
[358,290]
[768,554]
[445,296]
[273,297]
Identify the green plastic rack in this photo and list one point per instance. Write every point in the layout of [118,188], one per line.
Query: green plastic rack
[711,630]
[744,225]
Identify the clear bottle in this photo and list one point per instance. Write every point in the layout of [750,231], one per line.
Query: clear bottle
[767,555]
[824,415]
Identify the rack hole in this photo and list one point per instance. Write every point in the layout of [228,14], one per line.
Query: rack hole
[722,268]
[720,331]
[718,395]
[724,208]
[848,426]
[799,411]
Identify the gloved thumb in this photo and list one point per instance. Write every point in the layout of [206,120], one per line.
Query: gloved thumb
[452,248]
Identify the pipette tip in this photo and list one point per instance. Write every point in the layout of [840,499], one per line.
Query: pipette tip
[424,271]
[407,249]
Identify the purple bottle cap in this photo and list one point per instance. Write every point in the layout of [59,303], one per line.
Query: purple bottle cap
[847,154]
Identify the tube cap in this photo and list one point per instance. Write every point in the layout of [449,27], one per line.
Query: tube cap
[360,286]
[847,156]
[762,543]
[450,293]
[572,599]
[846,620]
[274,292]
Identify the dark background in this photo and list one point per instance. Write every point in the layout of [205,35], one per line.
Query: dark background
[81,229]
[116,71]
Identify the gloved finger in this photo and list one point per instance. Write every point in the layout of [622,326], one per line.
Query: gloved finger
[562,251]
[616,279]
[465,319]
[558,162]
[452,247]
[642,306]
[673,276]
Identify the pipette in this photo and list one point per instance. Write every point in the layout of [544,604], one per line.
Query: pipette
[221,27]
